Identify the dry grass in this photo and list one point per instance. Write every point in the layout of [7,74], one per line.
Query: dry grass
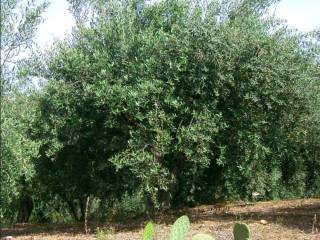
[287,220]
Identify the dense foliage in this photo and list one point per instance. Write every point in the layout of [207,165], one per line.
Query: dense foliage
[18,24]
[180,102]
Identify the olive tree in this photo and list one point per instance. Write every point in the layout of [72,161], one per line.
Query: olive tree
[18,23]
[184,99]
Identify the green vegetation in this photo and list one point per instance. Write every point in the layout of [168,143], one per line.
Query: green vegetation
[149,106]
[103,234]
[149,232]
[180,230]
[18,23]
[241,232]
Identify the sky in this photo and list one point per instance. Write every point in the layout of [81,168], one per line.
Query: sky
[301,14]
[57,22]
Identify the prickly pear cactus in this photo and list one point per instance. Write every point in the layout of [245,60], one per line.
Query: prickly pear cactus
[241,231]
[149,232]
[201,236]
[180,228]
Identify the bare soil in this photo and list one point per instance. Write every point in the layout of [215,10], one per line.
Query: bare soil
[285,220]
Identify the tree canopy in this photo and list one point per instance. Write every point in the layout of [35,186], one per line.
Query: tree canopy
[185,101]
[18,24]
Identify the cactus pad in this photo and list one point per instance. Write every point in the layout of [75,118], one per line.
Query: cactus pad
[180,228]
[149,232]
[241,231]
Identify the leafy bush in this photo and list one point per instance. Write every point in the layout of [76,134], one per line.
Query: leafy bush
[104,234]
[130,206]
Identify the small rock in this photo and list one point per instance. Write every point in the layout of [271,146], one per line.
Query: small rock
[256,194]
[7,238]
[264,222]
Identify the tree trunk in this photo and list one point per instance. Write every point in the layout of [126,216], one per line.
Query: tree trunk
[25,209]
[86,216]
[150,208]
[73,210]
[82,203]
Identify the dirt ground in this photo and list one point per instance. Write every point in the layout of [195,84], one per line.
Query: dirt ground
[286,220]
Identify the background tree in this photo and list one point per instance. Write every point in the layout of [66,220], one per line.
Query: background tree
[19,21]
